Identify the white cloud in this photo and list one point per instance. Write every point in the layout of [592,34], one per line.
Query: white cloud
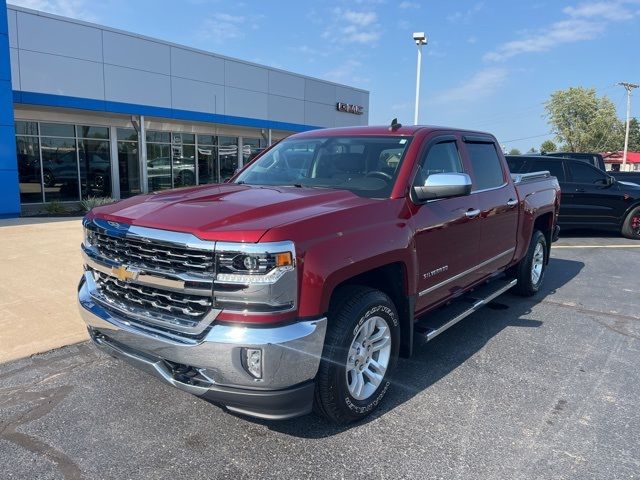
[465,16]
[615,11]
[585,21]
[350,26]
[481,85]
[347,71]
[67,8]
[221,27]
[408,5]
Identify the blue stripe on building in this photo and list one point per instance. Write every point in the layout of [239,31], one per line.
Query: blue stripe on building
[9,191]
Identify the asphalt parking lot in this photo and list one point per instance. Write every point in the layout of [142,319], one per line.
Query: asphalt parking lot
[542,388]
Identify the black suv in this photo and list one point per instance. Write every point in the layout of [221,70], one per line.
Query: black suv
[590,197]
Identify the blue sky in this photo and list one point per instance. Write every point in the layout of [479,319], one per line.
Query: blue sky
[489,65]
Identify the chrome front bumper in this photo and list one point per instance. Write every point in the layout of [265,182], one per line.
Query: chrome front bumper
[291,357]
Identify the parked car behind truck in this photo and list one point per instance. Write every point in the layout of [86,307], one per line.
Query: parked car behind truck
[299,283]
[590,197]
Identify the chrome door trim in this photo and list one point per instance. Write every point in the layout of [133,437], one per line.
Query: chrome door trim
[489,189]
[466,272]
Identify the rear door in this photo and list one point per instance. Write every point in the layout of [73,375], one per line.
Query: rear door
[595,202]
[497,200]
[446,238]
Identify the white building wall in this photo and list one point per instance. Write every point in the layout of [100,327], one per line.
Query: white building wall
[61,56]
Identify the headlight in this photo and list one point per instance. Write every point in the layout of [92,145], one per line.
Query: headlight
[258,277]
[89,237]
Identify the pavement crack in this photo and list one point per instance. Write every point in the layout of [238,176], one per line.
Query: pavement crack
[45,402]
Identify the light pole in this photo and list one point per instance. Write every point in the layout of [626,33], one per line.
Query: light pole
[420,39]
[628,87]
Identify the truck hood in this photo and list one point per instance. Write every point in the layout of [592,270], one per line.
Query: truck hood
[228,212]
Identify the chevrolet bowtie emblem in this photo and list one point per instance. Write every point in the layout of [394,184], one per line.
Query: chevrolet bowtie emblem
[123,274]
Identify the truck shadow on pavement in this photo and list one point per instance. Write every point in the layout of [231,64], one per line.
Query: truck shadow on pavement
[435,360]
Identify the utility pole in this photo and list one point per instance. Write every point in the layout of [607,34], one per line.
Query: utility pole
[628,87]
[421,39]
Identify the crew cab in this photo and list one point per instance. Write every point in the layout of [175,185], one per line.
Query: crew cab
[298,284]
[590,197]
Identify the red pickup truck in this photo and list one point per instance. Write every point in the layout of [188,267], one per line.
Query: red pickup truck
[298,284]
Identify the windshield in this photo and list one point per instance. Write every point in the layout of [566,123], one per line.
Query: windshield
[367,166]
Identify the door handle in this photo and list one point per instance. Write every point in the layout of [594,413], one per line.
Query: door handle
[471,213]
[512,202]
[580,190]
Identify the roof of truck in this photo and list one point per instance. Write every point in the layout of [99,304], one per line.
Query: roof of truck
[407,130]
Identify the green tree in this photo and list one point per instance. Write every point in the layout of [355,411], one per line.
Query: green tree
[584,122]
[515,151]
[532,150]
[548,146]
[634,135]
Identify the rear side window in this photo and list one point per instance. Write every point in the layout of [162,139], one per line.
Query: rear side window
[584,173]
[441,158]
[487,168]
[517,164]
[554,167]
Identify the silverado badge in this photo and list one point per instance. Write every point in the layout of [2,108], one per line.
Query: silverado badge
[123,274]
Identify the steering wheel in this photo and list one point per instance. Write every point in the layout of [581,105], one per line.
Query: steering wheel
[379,174]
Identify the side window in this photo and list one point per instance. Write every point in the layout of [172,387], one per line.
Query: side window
[517,164]
[584,173]
[441,158]
[553,166]
[487,168]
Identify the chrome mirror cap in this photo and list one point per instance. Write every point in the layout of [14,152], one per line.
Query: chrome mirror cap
[442,185]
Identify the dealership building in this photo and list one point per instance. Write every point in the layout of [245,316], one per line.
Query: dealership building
[87,110]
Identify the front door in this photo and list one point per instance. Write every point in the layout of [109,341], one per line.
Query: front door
[591,199]
[446,230]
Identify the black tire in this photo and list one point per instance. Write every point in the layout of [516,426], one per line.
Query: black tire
[631,225]
[353,306]
[526,286]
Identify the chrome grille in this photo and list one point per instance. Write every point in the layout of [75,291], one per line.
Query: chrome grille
[172,308]
[154,255]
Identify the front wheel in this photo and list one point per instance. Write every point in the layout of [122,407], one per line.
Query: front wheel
[631,225]
[530,270]
[361,350]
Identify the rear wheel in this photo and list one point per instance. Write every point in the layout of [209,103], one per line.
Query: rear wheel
[631,225]
[361,350]
[530,270]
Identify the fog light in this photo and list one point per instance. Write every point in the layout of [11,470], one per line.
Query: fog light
[252,359]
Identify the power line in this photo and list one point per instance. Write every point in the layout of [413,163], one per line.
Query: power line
[528,138]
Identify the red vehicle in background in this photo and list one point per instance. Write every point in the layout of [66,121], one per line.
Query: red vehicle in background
[298,284]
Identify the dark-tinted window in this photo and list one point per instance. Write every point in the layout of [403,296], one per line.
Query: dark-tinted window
[583,173]
[487,169]
[95,168]
[206,140]
[160,137]
[59,168]
[26,128]
[517,164]
[127,134]
[93,132]
[57,130]
[554,167]
[29,169]
[441,158]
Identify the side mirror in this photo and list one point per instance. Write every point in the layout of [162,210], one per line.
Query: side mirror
[442,185]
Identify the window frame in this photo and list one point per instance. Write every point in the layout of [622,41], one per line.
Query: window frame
[422,156]
[580,163]
[483,140]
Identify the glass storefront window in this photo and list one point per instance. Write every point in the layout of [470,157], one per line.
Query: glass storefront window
[228,156]
[206,140]
[26,128]
[59,168]
[93,132]
[158,137]
[95,168]
[128,162]
[57,130]
[29,173]
[207,164]
[159,166]
[184,167]
[250,148]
